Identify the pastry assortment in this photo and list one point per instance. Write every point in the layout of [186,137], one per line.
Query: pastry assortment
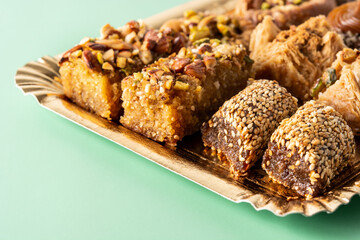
[272,82]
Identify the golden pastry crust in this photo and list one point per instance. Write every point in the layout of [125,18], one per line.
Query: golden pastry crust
[91,72]
[343,93]
[174,96]
[296,57]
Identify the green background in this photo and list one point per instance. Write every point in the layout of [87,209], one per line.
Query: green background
[60,181]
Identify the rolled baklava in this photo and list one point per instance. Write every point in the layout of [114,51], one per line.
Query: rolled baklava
[295,58]
[240,130]
[339,87]
[309,149]
[172,97]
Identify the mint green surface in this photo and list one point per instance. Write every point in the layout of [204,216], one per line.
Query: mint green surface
[60,181]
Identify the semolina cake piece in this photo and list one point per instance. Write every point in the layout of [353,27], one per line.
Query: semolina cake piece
[91,72]
[172,97]
[309,149]
[296,57]
[241,128]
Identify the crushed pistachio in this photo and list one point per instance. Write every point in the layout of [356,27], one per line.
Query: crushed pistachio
[189,13]
[247,59]
[201,41]
[223,29]
[99,57]
[77,53]
[331,77]
[221,19]
[196,33]
[138,76]
[215,41]
[265,6]
[319,86]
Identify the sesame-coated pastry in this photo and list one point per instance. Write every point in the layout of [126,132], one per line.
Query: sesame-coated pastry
[309,149]
[242,127]
[172,97]
[91,72]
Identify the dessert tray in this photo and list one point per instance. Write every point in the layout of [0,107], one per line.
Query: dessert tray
[189,159]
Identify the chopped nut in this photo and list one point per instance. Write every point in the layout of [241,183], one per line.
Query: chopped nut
[77,53]
[107,30]
[130,37]
[196,69]
[109,55]
[168,84]
[145,56]
[174,24]
[224,29]
[198,33]
[138,76]
[348,55]
[206,21]
[125,54]
[179,64]
[107,66]
[121,62]
[209,61]
[181,85]
[115,44]
[84,40]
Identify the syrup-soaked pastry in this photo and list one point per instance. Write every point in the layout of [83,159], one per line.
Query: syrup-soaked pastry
[240,130]
[339,87]
[345,19]
[172,97]
[199,25]
[91,72]
[284,12]
[296,58]
[309,149]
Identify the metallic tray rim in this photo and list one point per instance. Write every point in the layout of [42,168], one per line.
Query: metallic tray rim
[37,78]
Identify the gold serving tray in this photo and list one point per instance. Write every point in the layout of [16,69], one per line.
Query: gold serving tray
[189,159]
